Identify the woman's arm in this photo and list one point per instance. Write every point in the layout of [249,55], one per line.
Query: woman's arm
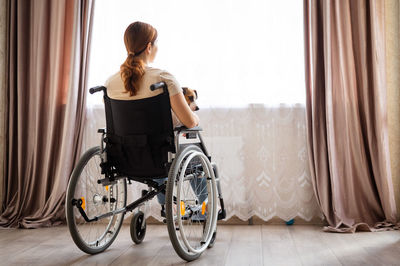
[182,111]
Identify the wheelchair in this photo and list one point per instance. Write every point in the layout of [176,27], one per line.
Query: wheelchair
[139,144]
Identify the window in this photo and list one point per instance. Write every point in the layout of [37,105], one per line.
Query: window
[232,52]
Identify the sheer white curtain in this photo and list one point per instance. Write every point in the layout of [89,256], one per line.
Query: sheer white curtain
[245,59]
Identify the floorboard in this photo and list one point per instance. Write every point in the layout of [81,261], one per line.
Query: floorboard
[235,245]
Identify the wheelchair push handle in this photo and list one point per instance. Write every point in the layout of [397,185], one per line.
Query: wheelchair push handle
[155,86]
[159,85]
[96,89]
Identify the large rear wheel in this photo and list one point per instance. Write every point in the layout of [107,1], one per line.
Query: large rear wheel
[191,203]
[84,193]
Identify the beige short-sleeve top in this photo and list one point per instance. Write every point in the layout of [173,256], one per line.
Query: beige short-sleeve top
[116,89]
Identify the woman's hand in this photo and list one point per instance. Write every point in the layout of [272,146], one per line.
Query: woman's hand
[183,112]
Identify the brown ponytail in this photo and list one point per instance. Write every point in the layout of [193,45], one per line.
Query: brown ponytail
[136,37]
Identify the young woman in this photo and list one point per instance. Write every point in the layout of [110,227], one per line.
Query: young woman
[133,81]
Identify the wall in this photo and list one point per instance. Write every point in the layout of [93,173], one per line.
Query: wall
[392,9]
[3,28]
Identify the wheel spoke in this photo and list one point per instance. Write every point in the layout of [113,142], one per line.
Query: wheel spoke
[95,236]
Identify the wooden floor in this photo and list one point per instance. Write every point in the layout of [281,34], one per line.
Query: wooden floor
[236,245]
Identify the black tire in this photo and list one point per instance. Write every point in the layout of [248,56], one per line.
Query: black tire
[83,181]
[180,247]
[138,227]
[213,238]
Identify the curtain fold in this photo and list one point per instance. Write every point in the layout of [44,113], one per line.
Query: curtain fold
[47,73]
[347,113]
[3,102]
[392,23]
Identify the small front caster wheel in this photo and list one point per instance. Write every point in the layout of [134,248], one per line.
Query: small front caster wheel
[138,227]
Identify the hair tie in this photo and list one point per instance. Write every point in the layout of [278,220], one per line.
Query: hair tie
[131,53]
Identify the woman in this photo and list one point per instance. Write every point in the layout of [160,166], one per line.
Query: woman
[133,82]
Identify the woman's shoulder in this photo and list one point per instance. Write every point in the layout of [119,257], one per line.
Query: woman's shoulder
[113,77]
[157,71]
[167,77]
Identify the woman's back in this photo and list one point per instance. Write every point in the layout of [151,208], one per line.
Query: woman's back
[116,89]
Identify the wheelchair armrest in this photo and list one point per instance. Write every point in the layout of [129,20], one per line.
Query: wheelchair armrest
[185,129]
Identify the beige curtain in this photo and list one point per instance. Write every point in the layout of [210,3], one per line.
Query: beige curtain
[392,8]
[347,113]
[3,51]
[46,84]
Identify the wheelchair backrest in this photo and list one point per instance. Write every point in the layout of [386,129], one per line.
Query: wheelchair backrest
[139,135]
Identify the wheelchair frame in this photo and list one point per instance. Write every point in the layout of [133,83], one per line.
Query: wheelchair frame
[111,176]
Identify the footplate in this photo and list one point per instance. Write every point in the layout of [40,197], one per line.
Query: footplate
[78,203]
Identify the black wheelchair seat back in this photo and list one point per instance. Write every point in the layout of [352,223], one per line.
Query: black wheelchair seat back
[139,136]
